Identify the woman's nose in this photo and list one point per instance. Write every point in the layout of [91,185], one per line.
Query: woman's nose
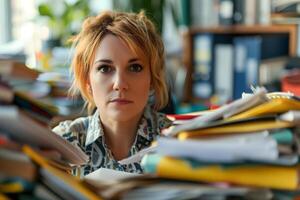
[120,81]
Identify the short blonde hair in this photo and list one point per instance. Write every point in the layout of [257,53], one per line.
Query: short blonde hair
[139,34]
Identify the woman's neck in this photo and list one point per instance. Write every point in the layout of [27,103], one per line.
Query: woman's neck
[119,136]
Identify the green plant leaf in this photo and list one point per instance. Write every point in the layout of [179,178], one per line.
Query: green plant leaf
[45,10]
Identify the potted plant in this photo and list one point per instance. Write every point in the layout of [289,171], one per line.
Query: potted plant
[63,18]
[152,8]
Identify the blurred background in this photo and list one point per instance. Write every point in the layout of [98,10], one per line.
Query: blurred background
[215,49]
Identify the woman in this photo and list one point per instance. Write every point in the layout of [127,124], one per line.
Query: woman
[118,64]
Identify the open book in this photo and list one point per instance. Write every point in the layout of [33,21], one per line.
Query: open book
[22,128]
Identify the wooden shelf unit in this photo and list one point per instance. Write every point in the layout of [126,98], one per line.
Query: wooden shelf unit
[290,30]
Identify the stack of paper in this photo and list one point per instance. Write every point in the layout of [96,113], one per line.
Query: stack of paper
[21,128]
[250,142]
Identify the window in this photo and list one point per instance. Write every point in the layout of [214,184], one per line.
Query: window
[5,21]
[21,35]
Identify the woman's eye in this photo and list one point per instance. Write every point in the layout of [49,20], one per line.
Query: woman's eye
[104,68]
[135,68]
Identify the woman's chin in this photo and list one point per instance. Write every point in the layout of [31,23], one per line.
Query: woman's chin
[122,116]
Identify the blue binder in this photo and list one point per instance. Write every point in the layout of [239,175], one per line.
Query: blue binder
[246,63]
[203,66]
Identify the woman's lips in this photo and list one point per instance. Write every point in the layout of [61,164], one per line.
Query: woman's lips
[121,101]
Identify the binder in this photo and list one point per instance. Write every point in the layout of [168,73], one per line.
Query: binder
[238,11]
[226,11]
[247,58]
[275,177]
[203,66]
[184,13]
[223,78]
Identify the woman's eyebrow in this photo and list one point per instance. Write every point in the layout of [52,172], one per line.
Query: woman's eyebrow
[133,60]
[104,60]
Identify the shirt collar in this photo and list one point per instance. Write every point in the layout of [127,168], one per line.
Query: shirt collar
[150,125]
[94,130]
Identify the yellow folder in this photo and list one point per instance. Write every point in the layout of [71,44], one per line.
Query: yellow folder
[3,197]
[243,127]
[275,177]
[274,106]
[66,178]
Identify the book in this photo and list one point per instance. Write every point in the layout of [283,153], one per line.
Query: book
[238,11]
[249,12]
[203,13]
[6,93]
[257,175]
[23,129]
[8,143]
[15,185]
[183,117]
[226,11]
[271,70]
[16,164]
[283,6]
[247,59]
[223,65]
[37,109]
[203,66]
[4,197]
[18,70]
[264,12]
[41,191]
[186,116]
[184,14]
[66,185]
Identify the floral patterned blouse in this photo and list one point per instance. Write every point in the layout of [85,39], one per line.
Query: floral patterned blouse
[87,133]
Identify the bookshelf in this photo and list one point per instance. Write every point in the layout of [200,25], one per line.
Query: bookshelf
[286,33]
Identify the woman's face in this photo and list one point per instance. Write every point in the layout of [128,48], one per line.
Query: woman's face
[119,80]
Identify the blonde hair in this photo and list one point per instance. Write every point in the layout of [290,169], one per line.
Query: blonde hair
[139,34]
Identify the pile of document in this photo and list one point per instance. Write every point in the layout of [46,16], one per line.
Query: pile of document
[252,142]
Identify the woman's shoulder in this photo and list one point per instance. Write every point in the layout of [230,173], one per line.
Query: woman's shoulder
[155,122]
[77,125]
[159,119]
[162,117]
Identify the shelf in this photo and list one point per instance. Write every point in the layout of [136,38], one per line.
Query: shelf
[289,30]
[239,29]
